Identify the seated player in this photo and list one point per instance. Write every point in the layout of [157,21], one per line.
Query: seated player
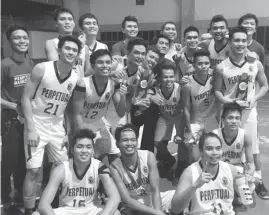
[136,176]
[79,179]
[91,100]
[169,106]
[207,185]
[199,102]
[237,147]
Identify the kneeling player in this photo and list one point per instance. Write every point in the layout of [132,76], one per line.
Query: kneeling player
[208,184]
[136,176]
[79,179]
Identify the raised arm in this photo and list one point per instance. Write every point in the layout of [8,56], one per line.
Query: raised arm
[119,100]
[186,96]
[110,189]
[51,51]
[56,178]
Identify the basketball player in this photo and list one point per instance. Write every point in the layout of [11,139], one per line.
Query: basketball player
[235,82]
[169,106]
[79,179]
[64,22]
[237,146]
[218,46]
[129,28]
[44,101]
[136,176]
[207,185]
[15,71]
[91,100]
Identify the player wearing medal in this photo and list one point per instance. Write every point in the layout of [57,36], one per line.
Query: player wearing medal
[44,102]
[207,186]
[235,82]
[136,176]
[91,99]
[79,179]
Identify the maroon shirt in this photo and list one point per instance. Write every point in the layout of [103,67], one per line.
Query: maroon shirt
[14,76]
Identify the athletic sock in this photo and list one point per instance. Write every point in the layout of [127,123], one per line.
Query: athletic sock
[29,202]
[259,174]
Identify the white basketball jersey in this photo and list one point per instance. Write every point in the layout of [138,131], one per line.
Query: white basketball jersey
[80,191]
[202,99]
[233,152]
[80,64]
[96,47]
[143,192]
[217,56]
[52,95]
[56,41]
[186,65]
[216,196]
[171,106]
[96,103]
[232,75]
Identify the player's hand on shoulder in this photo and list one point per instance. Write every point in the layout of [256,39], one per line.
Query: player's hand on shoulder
[204,177]
[143,103]
[33,138]
[119,73]
[184,80]
[251,56]
[157,99]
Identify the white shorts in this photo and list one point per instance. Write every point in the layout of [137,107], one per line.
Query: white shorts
[250,124]
[165,127]
[52,137]
[92,210]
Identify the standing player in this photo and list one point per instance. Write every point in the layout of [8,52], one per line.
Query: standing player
[207,185]
[15,71]
[169,106]
[129,28]
[79,180]
[237,77]
[44,101]
[91,99]
[136,176]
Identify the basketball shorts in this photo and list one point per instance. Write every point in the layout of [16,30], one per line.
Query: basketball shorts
[52,136]
[164,128]
[250,124]
[88,210]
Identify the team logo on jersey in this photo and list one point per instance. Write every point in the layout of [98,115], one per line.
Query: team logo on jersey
[69,87]
[91,180]
[225,180]
[145,169]
[237,146]
[251,68]
[107,96]
[175,99]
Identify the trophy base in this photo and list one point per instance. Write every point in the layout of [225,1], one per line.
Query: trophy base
[242,103]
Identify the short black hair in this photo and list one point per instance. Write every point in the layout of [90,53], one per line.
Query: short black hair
[63,39]
[125,127]
[189,29]
[85,16]
[157,37]
[13,28]
[248,16]
[204,137]
[166,66]
[218,18]
[81,134]
[237,29]
[154,49]
[200,53]
[61,10]
[101,52]
[169,22]
[129,19]
[230,107]
[136,41]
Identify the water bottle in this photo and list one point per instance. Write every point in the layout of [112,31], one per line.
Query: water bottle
[244,190]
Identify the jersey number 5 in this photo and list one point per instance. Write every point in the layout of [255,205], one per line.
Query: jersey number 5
[53,107]
[206,102]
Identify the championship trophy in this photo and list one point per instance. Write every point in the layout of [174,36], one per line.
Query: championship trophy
[242,91]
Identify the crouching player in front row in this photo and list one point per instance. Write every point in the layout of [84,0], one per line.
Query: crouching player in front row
[79,179]
[136,176]
[206,186]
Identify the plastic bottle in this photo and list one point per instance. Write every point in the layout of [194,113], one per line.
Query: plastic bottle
[244,190]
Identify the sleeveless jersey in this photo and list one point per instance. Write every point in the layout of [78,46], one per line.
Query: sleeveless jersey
[80,191]
[96,47]
[56,41]
[96,104]
[172,105]
[186,65]
[232,153]
[216,196]
[80,64]
[52,95]
[202,99]
[232,74]
[143,192]
[217,56]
